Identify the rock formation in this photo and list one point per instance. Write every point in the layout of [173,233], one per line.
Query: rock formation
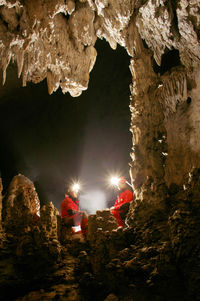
[48,41]
[25,238]
[157,256]
[55,40]
[21,204]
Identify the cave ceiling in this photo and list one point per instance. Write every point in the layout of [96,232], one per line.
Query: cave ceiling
[56,39]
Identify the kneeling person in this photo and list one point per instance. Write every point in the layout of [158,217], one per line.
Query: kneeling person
[121,206]
[70,212]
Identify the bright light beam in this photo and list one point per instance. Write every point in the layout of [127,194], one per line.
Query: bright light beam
[114,180]
[76,187]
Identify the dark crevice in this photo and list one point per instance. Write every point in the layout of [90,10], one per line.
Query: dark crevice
[145,44]
[169,59]
[6,24]
[198,34]
[66,16]
[175,18]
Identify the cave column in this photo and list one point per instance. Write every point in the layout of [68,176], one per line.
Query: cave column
[147,127]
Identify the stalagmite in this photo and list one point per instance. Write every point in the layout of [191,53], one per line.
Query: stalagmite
[48,215]
[21,204]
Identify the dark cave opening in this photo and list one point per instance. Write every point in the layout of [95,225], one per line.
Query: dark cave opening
[52,139]
[169,60]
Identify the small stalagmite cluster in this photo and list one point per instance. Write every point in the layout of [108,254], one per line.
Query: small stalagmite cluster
[157,256]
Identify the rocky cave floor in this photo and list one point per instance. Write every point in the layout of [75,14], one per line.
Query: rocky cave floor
[155,258]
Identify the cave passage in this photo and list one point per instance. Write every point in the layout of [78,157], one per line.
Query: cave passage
[56,139]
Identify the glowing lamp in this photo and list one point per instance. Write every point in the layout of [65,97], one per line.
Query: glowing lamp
[76,187]
[114,180]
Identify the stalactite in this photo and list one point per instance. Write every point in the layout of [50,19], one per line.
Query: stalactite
[20,61]
[156,34]
[36,40]
[172,90]
[71,27]
[5,62]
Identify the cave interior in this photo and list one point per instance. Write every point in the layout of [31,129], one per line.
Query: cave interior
[89,87]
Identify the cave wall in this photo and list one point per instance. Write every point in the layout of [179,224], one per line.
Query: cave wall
[55,40]
[164,101]
[183,128]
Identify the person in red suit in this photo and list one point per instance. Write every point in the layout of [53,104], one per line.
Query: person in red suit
[70,212]
[121,206]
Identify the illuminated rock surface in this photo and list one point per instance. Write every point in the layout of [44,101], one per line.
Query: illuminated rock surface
[21,200]
[157,256]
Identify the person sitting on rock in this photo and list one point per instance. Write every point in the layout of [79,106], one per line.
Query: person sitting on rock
[121,206]
[70,212]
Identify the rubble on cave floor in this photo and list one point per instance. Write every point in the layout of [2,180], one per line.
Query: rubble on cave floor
[63,285]
[155,258]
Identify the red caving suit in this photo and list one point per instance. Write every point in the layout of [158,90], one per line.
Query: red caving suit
[126,196]
[69,209]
